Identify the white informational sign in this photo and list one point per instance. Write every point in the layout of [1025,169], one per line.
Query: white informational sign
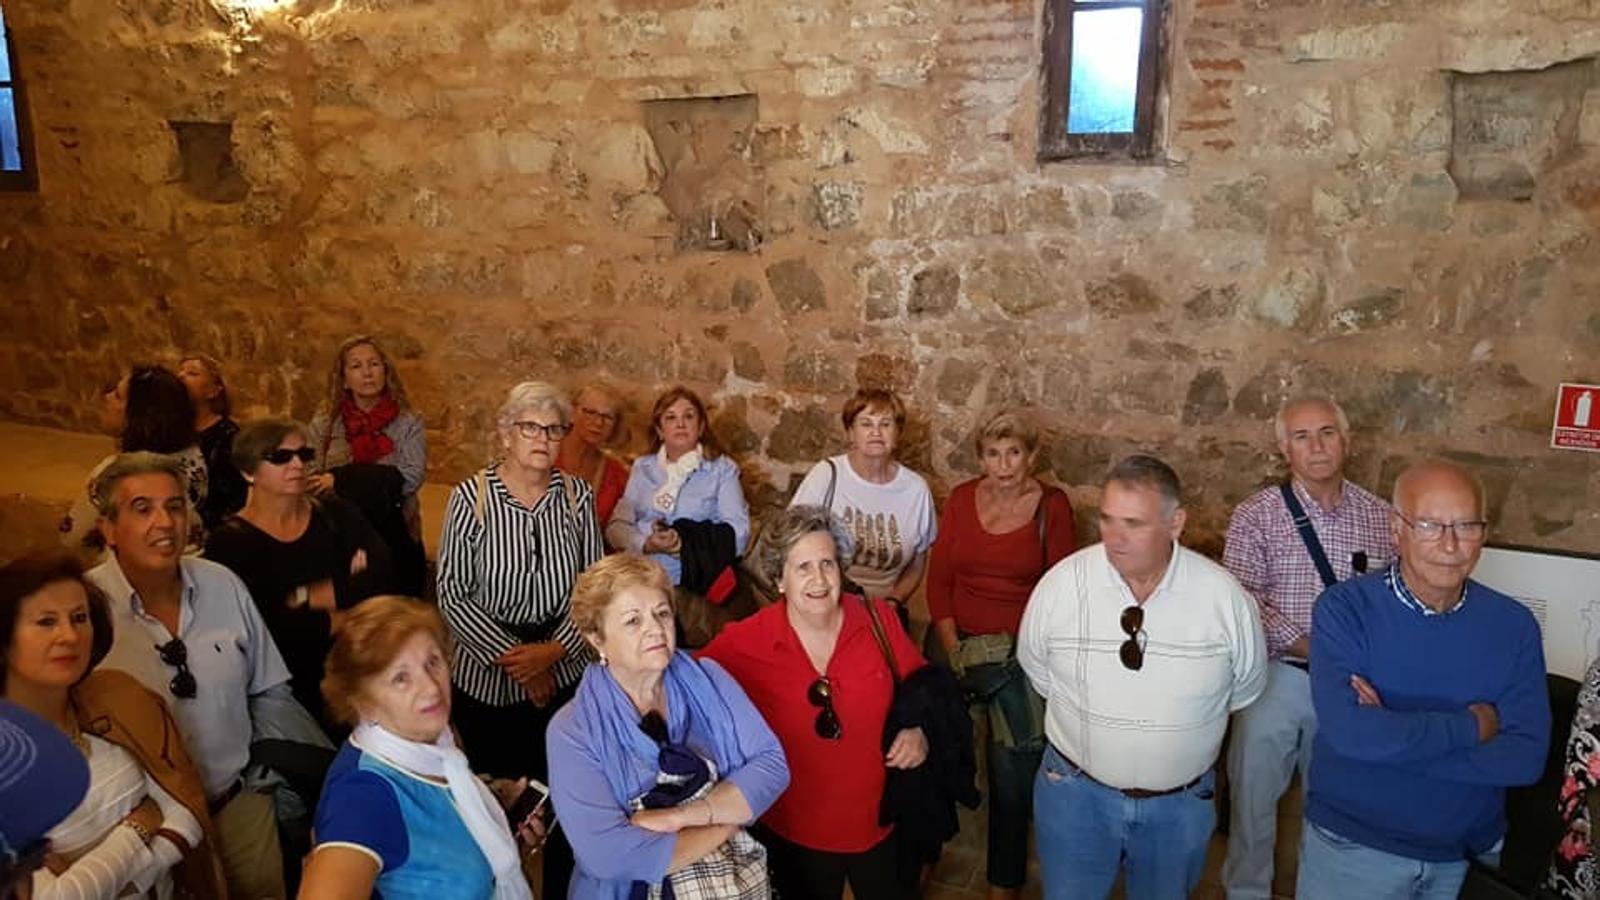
[1562,590]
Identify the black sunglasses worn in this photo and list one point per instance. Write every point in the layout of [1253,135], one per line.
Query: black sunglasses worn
[176,654]
[280,456]
[1132,649]
[821,696]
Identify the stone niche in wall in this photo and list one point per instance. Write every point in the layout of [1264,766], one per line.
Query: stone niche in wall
[1511,127]
[712,187]
[206,167]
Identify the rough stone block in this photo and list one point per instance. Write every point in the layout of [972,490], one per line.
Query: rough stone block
[819,371]
[1376,310]
[206,166]
[934,291]
[1511,126]
[1122,295]
[836,204]
[1236,206]
[1293,298]
[802,435]
[796,286]
[1207,398]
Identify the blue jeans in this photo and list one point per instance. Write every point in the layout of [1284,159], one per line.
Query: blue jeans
[1334,868]
[1271,738]
[1087,832]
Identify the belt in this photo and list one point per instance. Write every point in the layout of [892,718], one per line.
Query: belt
[1130,793]
[223,799]
[1300,664]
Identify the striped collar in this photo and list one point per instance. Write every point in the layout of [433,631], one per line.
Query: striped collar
[1397,584]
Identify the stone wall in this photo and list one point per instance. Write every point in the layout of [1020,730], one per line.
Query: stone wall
[1397,201]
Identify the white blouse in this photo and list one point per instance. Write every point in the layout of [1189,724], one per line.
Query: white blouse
[107,857]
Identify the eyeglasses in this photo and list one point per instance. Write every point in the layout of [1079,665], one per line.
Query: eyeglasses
[552,433]
[608,418]
[280,456]
[174,653]
[1428,531]
[821,695]
[1132,649]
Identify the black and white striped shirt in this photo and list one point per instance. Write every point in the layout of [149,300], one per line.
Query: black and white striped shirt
[512,569]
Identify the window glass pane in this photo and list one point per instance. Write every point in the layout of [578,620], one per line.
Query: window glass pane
[1105,70]
[10,154]
[5,55]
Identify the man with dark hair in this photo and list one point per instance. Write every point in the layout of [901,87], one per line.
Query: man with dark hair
[1431,700]
[1286,545]
[187,629]
[1141,648]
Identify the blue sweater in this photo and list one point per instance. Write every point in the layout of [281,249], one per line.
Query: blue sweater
[1410,777]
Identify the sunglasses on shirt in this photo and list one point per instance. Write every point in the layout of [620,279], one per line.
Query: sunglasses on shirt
[176,654]
[280,456]
[1132,649]
[821,696]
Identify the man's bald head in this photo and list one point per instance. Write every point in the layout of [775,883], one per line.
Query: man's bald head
[1425,478]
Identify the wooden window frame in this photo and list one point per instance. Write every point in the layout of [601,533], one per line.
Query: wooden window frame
[26,180]
[1054,141]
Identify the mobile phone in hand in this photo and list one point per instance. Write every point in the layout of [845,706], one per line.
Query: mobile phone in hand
[529,803]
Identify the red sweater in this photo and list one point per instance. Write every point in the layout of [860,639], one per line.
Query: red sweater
[983,580]
[834,786]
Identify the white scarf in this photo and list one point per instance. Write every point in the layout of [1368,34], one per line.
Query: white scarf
[477,806]
[665,498]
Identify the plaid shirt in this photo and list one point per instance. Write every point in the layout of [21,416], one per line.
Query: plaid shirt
[1265,553]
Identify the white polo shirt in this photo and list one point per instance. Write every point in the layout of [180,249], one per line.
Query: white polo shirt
[1160,727]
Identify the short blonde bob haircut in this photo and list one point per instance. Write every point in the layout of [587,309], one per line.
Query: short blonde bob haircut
[1007,423]
[602,582]
[368,639]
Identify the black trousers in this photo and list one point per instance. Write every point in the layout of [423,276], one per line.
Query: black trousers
[801,873]
[508,742]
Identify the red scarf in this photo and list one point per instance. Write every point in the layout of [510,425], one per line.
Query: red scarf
[364,429]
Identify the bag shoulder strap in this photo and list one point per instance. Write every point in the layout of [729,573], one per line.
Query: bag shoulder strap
[1043,516]
[882,637]
[833,482]
[1308,535]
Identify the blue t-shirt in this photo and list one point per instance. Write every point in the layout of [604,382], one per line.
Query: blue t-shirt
[408,824]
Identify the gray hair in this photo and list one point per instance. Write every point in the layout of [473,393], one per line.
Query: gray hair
[785,529]
[1144,470]
[1280,423]
[540,396]
[102,491]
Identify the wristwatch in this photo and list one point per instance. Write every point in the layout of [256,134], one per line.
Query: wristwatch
[301,596]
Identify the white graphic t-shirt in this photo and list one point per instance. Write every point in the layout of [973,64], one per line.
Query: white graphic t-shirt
[892,523]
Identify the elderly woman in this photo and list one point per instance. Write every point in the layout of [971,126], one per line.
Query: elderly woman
[684,508]
[812,664]
[998,535]
[148,409]
[516,535]
[596,421]
[372,451]
[143,826]
[887,507]
[401,814]
[1574,872]
[305,559]
[660,761]
[225,488]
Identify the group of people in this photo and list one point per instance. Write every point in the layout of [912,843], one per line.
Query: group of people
[259,684]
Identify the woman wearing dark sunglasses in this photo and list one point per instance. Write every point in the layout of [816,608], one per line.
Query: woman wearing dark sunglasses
[304,558]
[144,823]
[811,663]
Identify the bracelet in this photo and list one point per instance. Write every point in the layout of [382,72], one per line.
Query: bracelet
[139,829]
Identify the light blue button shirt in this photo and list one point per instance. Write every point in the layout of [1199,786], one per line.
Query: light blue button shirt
[711,493]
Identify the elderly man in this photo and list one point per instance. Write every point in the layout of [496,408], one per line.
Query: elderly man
[186,628]
[1286,545]
[1430,696]
[1141,648]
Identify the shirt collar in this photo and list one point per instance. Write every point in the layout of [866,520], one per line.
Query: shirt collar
[1397,584]
[1310,503]
[121,591]
[1168,579]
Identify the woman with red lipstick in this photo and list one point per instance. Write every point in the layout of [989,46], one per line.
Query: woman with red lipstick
[887,507]
[998,535]
[305,559]
[812,665]
[143,827]
[402,814]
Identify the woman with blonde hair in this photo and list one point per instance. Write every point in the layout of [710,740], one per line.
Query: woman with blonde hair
[371,450]
[402,814]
